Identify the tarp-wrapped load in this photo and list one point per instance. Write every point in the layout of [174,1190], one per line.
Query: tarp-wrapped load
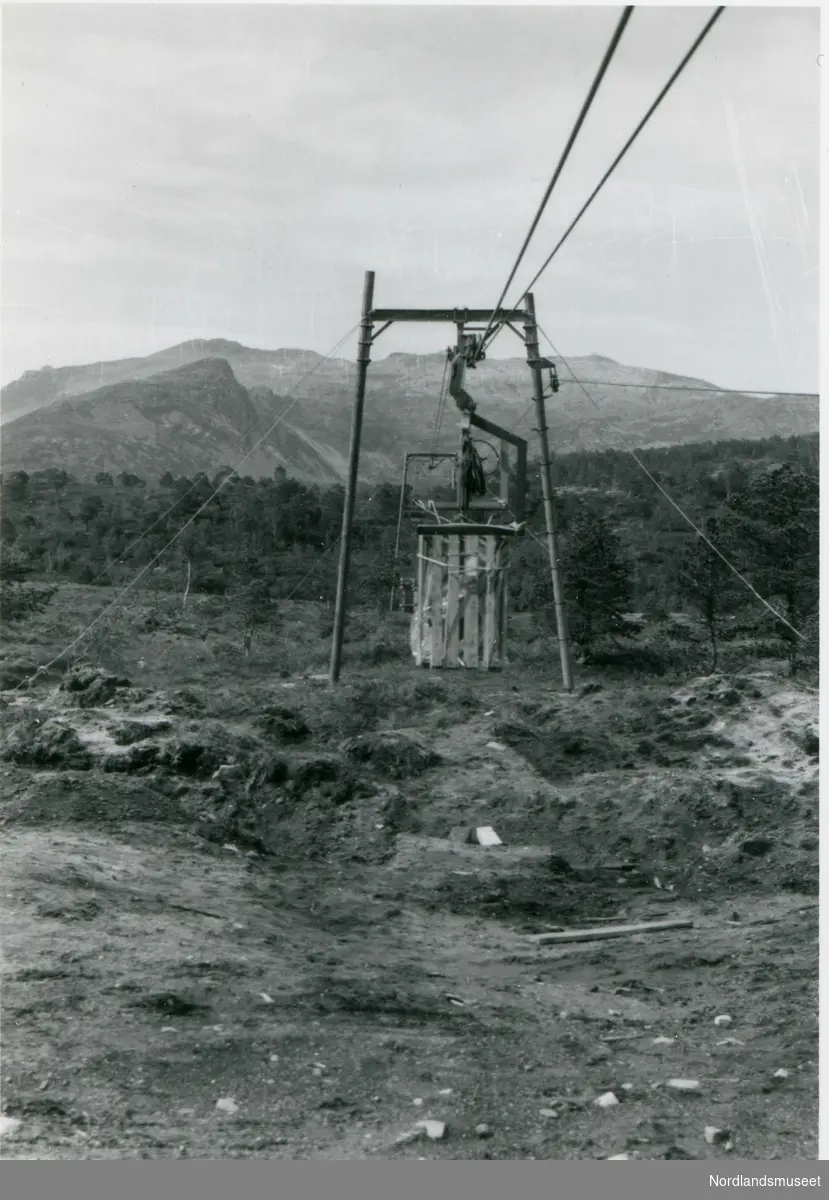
[460,614]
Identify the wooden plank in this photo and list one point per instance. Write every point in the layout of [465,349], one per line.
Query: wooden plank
[420,597]
[503,600]
[490,600]
[437,575]
[453,615]
[607,931]
[471,633]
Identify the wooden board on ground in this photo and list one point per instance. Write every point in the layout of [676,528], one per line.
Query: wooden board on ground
[607,931]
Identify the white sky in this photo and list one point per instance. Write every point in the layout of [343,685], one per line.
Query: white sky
[230,171]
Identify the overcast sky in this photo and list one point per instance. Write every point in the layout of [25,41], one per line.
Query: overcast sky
[231,171]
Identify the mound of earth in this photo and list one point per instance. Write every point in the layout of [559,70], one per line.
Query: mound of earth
[91,687]
[393,754]
[47,744]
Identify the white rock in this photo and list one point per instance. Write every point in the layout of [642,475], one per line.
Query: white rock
[662,1041]
[722,1019]
[628,1087]
[483,1130]
[495,746]
[445,1092]
[547,1112]
[274,1058]
[9,1125]
[168,1028]
[781,1073]
[730,1041]
[268,999]
[436,1130]
[618,1157]
[486,836]
[227,1105]
[418,1103]
[684,1085]
[228,771]
[491,713]
[715,1136]
[608,1100]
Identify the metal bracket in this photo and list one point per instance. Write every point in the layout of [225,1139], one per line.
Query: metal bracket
[381,329]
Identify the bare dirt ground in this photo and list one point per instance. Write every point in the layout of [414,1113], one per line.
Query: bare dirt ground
[303,938]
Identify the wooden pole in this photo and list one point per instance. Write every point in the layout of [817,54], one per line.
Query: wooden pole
[400,512]
[533,355]
[363,359]
[608,931]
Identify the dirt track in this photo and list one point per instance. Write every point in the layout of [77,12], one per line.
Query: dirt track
[358,960]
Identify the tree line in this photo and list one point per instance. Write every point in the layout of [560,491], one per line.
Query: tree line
[624,548]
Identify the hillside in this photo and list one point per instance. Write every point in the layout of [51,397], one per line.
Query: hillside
[190,419]
[147,415]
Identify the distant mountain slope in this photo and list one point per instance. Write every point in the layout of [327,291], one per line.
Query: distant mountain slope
[203,404]
[195,418]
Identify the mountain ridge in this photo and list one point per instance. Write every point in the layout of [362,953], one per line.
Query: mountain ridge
[205,403]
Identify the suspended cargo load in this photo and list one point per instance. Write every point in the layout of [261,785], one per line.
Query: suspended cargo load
[460,614]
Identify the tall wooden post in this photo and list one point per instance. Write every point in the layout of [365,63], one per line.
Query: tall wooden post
[363,360]
[533,356]
[400,513]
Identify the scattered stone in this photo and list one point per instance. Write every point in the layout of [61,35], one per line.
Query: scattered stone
[608,1100]
[482,835]
[436,1130]
[715,1136]
[495,746]
[722,1019]
[227,1105]
[684,1085]
[628,1087]
[547,1112]
[781,1073]
[9,1126]
[229,773]
[483,1130]
[274,1058]
[411,1135]
[418,1103]
[445,1092]
[662,1041]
